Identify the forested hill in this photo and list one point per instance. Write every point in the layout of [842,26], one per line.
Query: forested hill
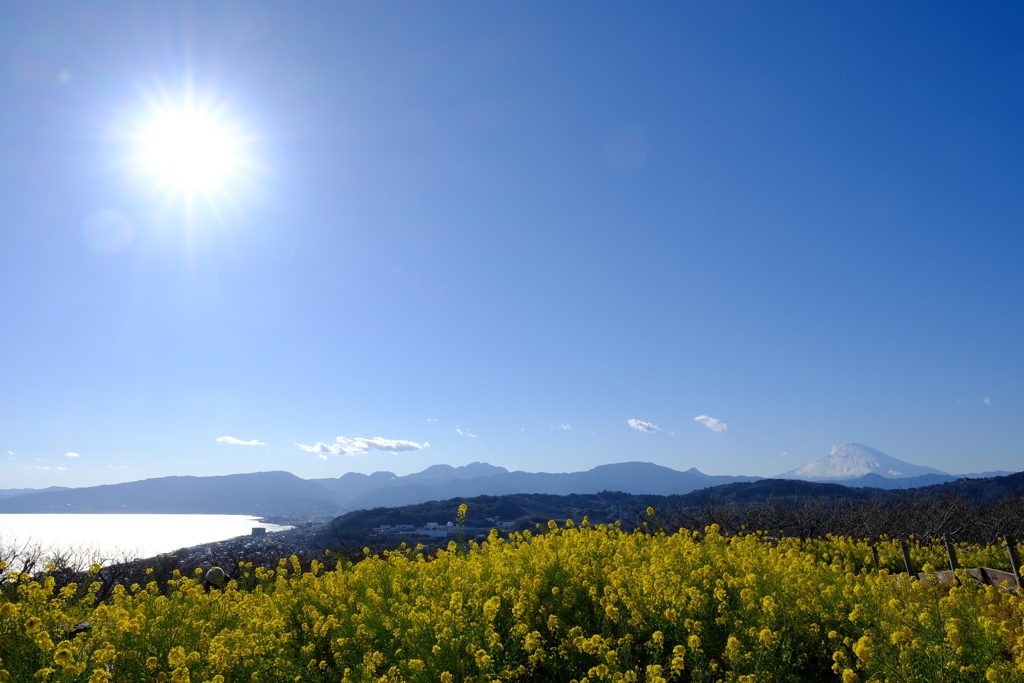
[601,508]
[608,506]
[990,488]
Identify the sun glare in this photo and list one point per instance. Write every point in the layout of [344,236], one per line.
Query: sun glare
[188,150]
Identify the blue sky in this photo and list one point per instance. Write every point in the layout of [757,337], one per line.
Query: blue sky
[508,229]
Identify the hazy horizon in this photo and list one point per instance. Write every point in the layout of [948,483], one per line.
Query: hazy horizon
[246,236]
[901,476]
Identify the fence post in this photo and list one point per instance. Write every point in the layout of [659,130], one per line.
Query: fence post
[874,555]
[1011,550]
[906,557]
[950,552]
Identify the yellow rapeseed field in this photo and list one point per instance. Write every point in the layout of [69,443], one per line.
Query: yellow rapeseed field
[573,603]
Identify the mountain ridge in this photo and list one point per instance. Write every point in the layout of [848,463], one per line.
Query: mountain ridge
[630,477]
[255,493]
[283,494]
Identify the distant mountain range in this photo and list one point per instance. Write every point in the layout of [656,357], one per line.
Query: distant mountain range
[281,494]
[439,482]
[8,493]
[260,493]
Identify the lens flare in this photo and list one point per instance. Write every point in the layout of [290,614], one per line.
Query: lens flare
[108,232]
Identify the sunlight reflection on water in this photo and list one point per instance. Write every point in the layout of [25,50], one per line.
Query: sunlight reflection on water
[117,536]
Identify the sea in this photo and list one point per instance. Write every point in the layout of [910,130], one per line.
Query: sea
[116,537]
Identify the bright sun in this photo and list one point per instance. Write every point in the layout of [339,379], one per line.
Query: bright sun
[189,150]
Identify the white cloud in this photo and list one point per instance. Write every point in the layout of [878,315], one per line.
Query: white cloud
[10,452]
[642,426]
[62,468]
[322,456]
[987,401]
[711,423]
[431,419]
[566,427]
[238,442]
[71,455]
[321,447]
[360,445]
[465,432]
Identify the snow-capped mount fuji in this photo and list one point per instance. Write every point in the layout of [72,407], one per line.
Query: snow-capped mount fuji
[855,460]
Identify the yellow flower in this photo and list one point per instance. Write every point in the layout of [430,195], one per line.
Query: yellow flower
[176,657]
[491,608]
[99,676]
[678,659]
[654,674]
[733,647]
[863,649]
[64,656]
[33,624]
